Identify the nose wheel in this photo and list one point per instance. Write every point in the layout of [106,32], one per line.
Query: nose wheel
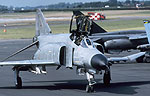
[89,88]
[107,78]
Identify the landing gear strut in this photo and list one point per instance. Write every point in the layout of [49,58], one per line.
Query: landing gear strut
[91,80]
[18,81]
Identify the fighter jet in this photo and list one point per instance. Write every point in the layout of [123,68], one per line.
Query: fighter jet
[74,49]
[68,50]
[118,41]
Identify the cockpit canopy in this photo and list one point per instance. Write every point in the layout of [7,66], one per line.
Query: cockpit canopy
[81,28]
[87,43]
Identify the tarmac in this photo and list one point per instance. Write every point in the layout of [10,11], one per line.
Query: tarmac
[127,79]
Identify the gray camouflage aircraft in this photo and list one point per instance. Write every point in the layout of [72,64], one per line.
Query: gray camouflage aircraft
[116,41]
[74,49]
[68,50]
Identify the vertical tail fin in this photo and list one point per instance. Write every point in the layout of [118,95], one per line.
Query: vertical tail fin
[147,29]
[94,27]
[42,27]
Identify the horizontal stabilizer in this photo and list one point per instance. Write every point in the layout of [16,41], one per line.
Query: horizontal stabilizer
[28,62]
[19,51]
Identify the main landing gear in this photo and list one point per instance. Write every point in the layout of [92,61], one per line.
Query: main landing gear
[18,81]
[91,80]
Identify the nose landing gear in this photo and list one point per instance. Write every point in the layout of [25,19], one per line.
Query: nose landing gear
[89,88]
[91,80]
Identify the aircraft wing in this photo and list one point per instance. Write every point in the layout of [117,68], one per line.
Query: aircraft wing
[28,62]
[107,37]
[126,58]
[137,37]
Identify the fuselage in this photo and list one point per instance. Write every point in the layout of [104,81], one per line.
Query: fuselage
[56,47]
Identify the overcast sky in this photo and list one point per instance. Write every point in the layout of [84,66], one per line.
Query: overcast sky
[23,3]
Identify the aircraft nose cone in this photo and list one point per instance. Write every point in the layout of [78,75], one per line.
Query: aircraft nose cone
[99,62]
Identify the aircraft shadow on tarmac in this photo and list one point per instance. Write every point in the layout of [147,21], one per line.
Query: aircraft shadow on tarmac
[128,88]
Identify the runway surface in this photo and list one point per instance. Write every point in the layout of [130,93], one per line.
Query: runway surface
[62,21]
[127,79]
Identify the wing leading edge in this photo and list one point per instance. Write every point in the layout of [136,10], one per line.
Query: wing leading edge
[126,58]
[28,62]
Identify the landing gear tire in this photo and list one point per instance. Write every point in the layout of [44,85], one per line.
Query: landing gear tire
[19,83]
[89,88]
[147,59]
[106,79]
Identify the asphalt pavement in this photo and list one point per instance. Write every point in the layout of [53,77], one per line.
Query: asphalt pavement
[127,79]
